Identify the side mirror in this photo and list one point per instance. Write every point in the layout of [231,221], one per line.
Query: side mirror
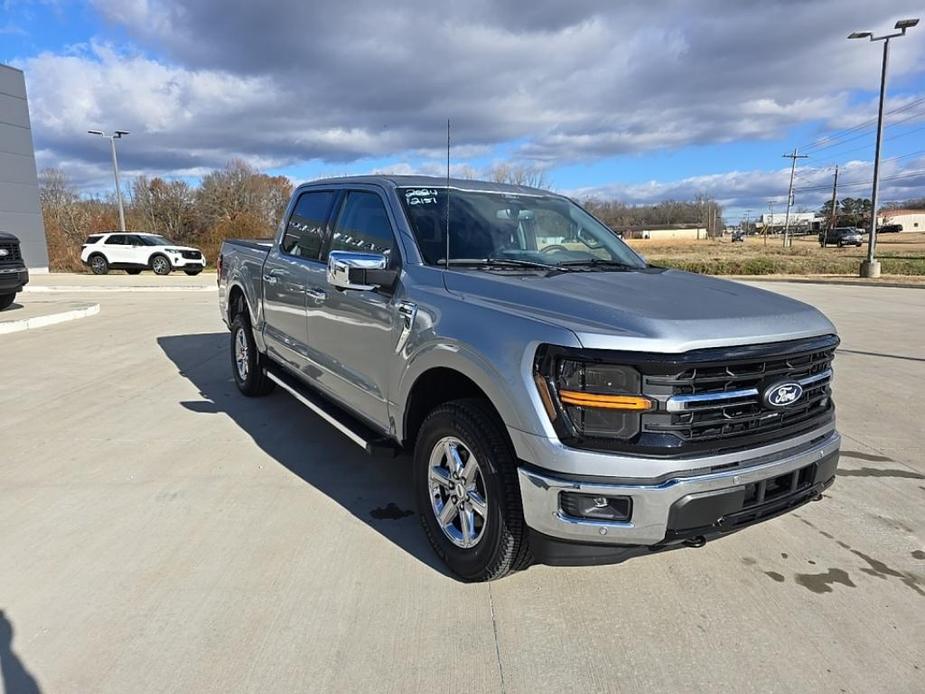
[362,271]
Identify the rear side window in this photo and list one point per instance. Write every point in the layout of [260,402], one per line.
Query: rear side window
[363,225]
[304,235]
[116,240]
[92,239]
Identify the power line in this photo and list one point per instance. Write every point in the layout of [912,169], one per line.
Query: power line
[866,125]
[897,177]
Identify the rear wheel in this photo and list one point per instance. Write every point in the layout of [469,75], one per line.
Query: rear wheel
[98,264]
[161,265]
[247,364]
[6,300]
[468,498]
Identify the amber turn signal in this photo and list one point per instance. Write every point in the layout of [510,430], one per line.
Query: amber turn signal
[632,403]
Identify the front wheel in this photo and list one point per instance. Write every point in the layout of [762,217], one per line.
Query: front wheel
[468,498]
[6,300]
[161,265]
[247,364]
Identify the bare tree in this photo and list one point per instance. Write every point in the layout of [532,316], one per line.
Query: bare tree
[518,174]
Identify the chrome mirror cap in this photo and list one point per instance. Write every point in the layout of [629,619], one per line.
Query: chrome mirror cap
[340,263]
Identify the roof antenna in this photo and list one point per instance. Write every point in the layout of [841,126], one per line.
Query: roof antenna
[448,193]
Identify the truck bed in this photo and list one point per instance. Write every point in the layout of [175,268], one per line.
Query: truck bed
[242,260]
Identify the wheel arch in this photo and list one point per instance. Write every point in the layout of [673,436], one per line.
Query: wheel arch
[434,387]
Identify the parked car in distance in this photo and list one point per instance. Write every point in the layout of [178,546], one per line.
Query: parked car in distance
[890,228]
[563,401]
[13,273]
[137,251]
[841,236]
[738,236]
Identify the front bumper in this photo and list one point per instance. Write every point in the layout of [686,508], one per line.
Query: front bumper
[181,263]
[682,507]
[13,279]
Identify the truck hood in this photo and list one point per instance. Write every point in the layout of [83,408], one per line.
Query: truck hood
[652,310]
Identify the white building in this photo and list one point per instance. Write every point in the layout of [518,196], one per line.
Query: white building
[779,219]
[909,220]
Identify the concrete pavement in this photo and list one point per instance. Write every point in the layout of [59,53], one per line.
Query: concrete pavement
[161,533]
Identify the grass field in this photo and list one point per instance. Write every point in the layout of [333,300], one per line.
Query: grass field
[899,254]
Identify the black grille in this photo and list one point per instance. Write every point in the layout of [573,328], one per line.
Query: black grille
[192,255]
[13,255]
[738,409]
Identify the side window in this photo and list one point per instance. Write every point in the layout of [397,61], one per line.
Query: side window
[363,226]
[92,239]
[304,233]
[116,240]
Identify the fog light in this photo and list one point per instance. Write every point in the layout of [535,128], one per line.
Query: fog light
[610,508]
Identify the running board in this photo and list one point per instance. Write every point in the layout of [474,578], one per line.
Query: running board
[351,427]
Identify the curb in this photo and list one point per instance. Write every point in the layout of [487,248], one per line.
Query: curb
[841,283]
[15,326]
[77,289]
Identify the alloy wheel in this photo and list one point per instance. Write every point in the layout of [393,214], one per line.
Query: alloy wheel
[457,492]
[241,354]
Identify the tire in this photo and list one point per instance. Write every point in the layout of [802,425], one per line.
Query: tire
[6,300]
[497,541]
[133,271]
[98,264]
[192,273]
[247,364]
[160,264]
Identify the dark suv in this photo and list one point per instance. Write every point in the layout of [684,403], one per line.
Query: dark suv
[841,236]
[13,273]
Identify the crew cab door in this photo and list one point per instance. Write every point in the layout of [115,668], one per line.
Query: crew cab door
[292,266]
[352,333]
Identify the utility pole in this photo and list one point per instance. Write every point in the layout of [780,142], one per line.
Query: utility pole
[770,220]
[832,216]
[793,167]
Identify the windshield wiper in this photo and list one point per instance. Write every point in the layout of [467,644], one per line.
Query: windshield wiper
[498,262]
[598,262]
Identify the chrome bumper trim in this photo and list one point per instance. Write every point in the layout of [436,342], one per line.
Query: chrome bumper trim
[651,502]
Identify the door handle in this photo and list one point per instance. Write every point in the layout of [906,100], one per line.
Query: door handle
[316,293]
[272,276]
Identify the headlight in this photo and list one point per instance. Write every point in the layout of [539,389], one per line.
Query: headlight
[588,398]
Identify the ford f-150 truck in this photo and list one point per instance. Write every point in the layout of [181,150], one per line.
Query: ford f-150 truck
[563,400]
[13,273]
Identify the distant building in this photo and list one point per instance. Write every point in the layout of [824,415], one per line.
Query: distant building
[909,220]
[779,219]
[666,231]
[20,209]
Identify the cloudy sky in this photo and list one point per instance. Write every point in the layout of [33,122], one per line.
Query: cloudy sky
[636,100]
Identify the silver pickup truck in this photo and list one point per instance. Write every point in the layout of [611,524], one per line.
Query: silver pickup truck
[563,401]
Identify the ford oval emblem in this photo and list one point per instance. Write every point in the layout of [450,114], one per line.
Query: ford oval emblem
[783,394]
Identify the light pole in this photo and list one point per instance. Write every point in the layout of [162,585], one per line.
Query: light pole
[117,135]
[871,267]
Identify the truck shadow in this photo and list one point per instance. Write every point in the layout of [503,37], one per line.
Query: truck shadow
[373,489]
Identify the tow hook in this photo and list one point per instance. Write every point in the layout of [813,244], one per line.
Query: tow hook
[698,541]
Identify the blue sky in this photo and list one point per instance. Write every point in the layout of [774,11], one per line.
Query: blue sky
[631,102]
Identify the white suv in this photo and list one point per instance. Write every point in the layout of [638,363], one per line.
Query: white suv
[134,252]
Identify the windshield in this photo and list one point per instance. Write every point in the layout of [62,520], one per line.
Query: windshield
[155,240]
[545,230]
